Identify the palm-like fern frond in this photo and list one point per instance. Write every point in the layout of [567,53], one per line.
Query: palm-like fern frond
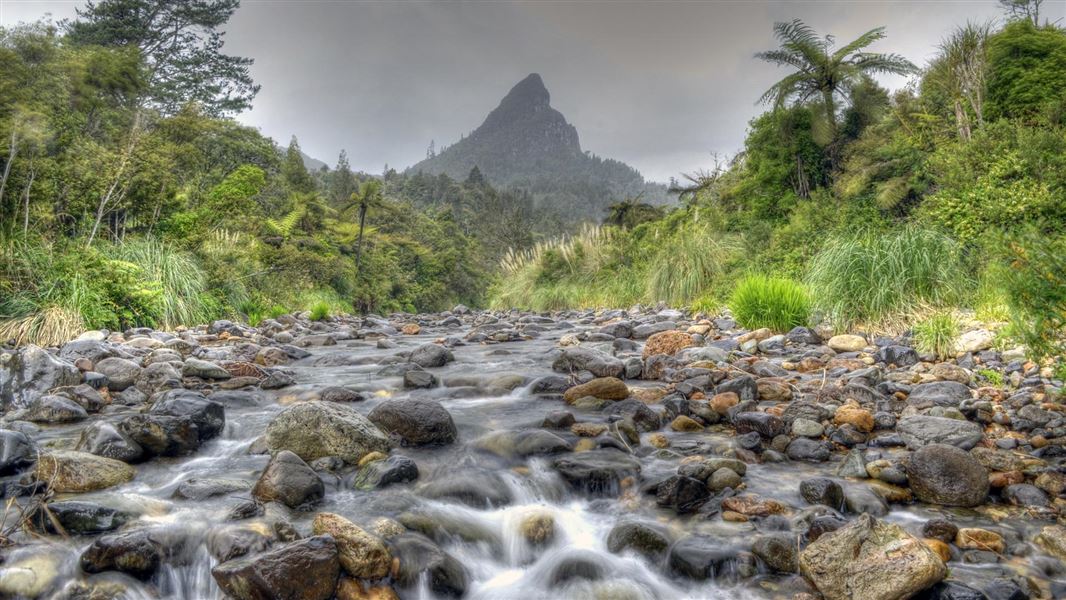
[287,224]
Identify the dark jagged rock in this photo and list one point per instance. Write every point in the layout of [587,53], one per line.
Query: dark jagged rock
[307,569]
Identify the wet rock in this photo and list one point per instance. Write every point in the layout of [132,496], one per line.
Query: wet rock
[31,372]
[643,417]
[287,479]
[1024,494]
[136,553]
[120,372]
[862,500]
[938,393]
[431,355]
[73,517]
[920,430]
[420,559]
[751,505]
[1052,539]
[473,487]
[744,387]
[683,494]
[202,489]
[161,435]
[822,491]
[574,564]
[208,416]
[382,473]
[703,557]
[980,539]
[203,369]
[277,380]
[953,590]
[156,377]
[940,529]
[17,451]
[808,450]
[315,429]
[765,424]
[901,356]
[941,474]
[52,409]
[779,551]
[604,388]
[723,478]
[649,540]
[232,541]
[361,554]
[104,439]
[68,471]
[872,560]
[416,422]
[822,525]
[598,363]
[598,472]
[419,379]
[807,428]
[683,423]
[30,574]
[307,569]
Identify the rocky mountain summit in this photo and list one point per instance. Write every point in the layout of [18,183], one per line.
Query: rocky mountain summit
[425,455]
[526,143]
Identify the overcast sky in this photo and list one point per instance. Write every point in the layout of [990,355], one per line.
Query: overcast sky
[658,85]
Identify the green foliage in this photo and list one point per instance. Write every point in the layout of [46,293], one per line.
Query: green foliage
[1027,70]
[777,303]
[936,335]
[319,311]
[1036,291]
[688,265]
[992,376]
[182,281]
[876,277]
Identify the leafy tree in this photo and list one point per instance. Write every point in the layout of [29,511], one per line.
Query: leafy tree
[822,74]
[342,182]
[294,171]
[181,44]
[631,212]
[1028,10]
[959,72]
[1027,70]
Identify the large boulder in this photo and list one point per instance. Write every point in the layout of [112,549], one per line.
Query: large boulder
[431,355]
[315,429]
[416,422]
[921,430]
[598,363]
[159,435]
[361,554]
[104,439]
[307,569]
[121,373]
[870,559]
[51,408]
[942,474]
[289,480]
[208,416]
[32,372]
[137,553]
[69,471]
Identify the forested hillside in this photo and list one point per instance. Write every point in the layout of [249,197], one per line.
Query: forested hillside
[854,206]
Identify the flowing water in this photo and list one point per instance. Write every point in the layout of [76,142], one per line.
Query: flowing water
[485,540]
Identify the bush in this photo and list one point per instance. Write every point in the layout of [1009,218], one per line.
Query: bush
[936,335]
[182,282]
[688,265]
[876,278]
[780,304]
[1036,292]
[319,311]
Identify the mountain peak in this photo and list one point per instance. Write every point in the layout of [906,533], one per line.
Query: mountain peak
[528,92]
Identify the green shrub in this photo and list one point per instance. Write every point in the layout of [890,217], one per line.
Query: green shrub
[252,311]
[1036,291]
[936,335]
[182,282]
[875,278]
[276,311]
[319,311]
[780,304]
[991,376]
[686,266]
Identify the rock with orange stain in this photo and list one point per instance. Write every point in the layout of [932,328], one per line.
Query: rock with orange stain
[667,342]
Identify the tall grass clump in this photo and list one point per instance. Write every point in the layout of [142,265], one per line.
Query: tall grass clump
[319,311]
[1035,287]
[686,267]
[183,281]
[936,335]
[780,304]
[880,278]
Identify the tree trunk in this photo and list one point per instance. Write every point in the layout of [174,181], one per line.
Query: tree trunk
[101,208]
[26,202]
[962,121]
[830,112]
[12,152]
[359,242]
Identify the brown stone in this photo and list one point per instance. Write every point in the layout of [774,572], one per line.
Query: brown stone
[658,440]
[753,506]
[588,429]
[352,589]
[1001,480]
[604,388]
[856,416]
[361,554]
[721,403]
[981,539]
[774,389]
[411,329]
[667,342]
[685,424]
[734,517]
[940,548]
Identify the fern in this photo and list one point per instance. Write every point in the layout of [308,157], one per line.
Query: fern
[287,224]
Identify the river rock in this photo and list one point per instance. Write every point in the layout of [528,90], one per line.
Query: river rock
[474,487]
[416,422]
[120,372]
[682,494]
[194,367]
[767,425]
[158,376]
[361,554]
[975,341]
[31,372]
[201,489]
[161,435]
[315,429]
[946,475]
[667,342]
[938,393]
[69,471]
[846,343]
[598,472]
[431,355]
[870,559]
[51,409]
[74,517]
[17,451]
[702,557]
[381,473]
[921,430]
[30,574]
[779,551]
[1052,538]
[422,560]
[136,553]
[287,479]
[647,539]
[307,569]
[104,439]
[598,363]
[821,490]
[208,416]
[604,388]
